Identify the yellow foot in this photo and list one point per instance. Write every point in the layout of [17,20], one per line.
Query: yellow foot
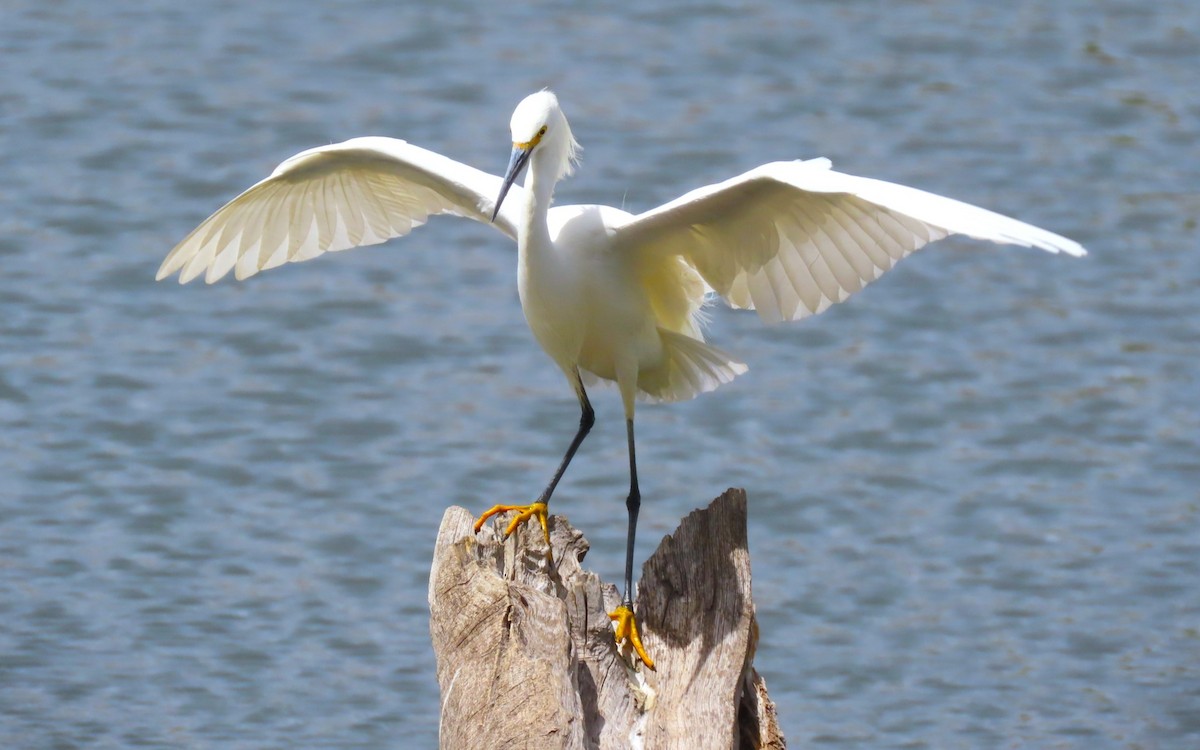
[627,630]
[533,510]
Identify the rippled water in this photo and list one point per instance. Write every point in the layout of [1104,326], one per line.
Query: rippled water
[974,505]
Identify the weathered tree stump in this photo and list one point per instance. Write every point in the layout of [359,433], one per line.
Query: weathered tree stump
[525,651]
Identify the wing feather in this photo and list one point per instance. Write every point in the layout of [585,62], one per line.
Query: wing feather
[360,192]
[789,239]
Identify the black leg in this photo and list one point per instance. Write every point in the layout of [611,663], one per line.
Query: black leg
[633,503]
[587,418]
[538,509]
[626,625]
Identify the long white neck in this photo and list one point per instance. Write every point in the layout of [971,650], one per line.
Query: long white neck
[539,187]
[540,269]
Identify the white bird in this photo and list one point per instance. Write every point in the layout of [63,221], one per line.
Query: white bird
[609,295]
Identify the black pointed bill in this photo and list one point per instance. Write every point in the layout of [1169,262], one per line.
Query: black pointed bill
[520,155]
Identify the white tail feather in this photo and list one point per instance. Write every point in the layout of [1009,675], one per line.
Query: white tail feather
[691,367]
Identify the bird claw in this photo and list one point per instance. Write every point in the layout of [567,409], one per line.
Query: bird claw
[533,510]
[626,630]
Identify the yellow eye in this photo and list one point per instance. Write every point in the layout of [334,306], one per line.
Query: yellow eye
[542,131]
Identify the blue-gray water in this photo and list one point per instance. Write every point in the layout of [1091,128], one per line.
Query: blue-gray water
[974,509]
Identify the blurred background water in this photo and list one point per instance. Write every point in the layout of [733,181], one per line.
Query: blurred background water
[974,504]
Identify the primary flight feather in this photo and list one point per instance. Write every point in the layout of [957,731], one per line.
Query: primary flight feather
[608,294]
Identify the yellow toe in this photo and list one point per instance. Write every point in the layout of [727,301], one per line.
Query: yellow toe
[524,513]
[626,630]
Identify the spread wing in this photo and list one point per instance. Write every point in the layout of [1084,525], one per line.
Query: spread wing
[360,192]
[789,239]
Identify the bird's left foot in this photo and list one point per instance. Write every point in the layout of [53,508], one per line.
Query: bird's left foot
[627,631]
[533,510]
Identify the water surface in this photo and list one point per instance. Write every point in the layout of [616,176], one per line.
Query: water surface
[974,507]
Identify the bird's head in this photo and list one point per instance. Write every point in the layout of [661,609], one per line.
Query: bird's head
[539,126]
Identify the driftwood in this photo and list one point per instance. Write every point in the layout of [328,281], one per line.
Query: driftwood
[525,651]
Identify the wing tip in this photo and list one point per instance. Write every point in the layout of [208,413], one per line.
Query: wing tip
[1055,243]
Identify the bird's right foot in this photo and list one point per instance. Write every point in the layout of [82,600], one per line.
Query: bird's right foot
[533,510]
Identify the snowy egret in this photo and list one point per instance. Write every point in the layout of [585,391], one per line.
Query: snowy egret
[609,295]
